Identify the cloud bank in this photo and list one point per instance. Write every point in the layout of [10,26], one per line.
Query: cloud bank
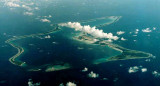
[97,33]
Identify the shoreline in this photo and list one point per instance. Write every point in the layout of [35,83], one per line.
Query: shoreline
[125,54]
[20,50]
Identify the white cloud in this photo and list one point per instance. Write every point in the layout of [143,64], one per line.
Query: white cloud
[30,83]
[45,20]
[27,7]
[90,30]
[133,69]
[61,84]
[54,42]
[123,39]
[134,35]
[47,37]
[156,74]
[71,84]
[28,13]
[147,30]
[120,32]
[11,4]
[109,40]
[137,30]
[36,8]
[134,40]
[154,28]
[50,16]
[93,75]
[148,60]
[85,69]
[144,69]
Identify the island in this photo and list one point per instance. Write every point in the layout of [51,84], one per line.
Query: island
[125,53]
[20,50]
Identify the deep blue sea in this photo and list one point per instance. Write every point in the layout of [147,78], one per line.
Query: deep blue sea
[135,14]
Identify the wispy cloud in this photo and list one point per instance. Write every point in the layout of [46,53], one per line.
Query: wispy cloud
[28,13]
[45,20]
[120,32]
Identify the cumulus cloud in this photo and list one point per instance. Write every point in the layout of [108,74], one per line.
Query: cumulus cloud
[54,42]
[137,30]
[156,74]
[144,69]
[93,75]
[36,8]
[71,84]
[61,84]
[45,20]
[134,35]
[123,39]
[133,69]
[27,7]
[30,83]
[134,40]
[11,4]
[47,37]
[147,30]
[120,32]
[89,30]
[28,13]
[154,28]
[85,69]
[50,16]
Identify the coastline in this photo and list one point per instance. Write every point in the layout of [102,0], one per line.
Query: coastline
[20,50]
[126,54]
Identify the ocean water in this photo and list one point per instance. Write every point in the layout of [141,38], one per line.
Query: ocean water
[135,15]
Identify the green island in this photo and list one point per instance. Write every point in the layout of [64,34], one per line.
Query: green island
[14,59]
[125,53]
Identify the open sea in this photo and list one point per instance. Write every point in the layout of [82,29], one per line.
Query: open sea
[61,48]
